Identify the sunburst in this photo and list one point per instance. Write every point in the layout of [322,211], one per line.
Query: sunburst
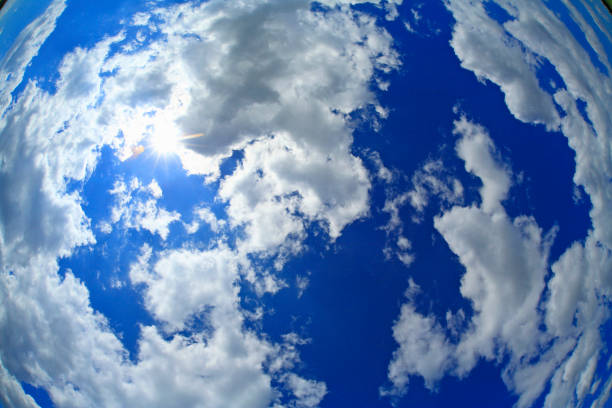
[164,144]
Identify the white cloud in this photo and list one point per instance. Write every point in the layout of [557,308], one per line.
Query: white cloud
[280,98]
[506,263]
[52,338]
[11,393]
[539,31]
[222,354]
[38,213]
[424,350]
[225,352]
[505,62]
[155,189]
[302,282]
[26,47]
[433,179]
[170,294]
[202,213]
[604,396]
[397,244]
[392,207]
[256,84]
[591,36]
[382,172]
[224,370]
[279,184]
[105,227]
[541,35]
[597,12]
[134,210]
[296,87]
[58,342]
[406,258]
[576,309]
[308,393]
[477,151]
[505,259]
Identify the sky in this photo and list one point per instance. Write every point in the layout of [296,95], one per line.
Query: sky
[300,204]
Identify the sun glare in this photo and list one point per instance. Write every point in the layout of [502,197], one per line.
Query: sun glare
[165,138]
[165,143]
[160,136]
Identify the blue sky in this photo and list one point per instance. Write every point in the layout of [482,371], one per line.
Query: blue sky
[392,203]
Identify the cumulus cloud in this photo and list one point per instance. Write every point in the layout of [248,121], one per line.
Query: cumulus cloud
[424,348]
[575,297]
[279,184]
[308,393]
[215,270]
[280,98]
[51,337]
[506,63]
[506,264]
[257,82]
[278,82]
[475,148]
[38,213]
[222,353]
[540,34]
[136,207]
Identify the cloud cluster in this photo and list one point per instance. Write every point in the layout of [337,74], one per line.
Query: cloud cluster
[219,363]
[431,180]
[549,330]
[537,32]
[505,62]
[136,207]
[278,83]
[541,34]
[544,331]
[274,79]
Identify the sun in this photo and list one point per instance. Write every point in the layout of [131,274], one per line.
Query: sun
[165,143]
[164,137]
[161,137]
